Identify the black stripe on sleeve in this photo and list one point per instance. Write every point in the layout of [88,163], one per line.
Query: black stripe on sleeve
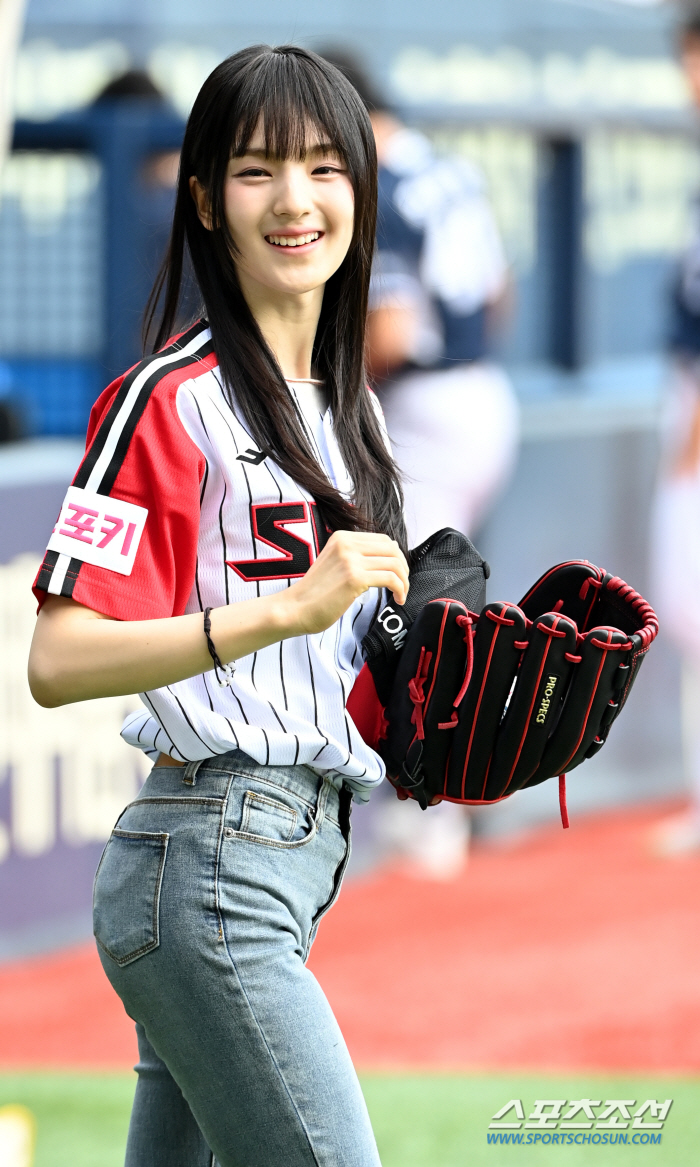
[44,577]
[98,443]
[110,475]
[71,577]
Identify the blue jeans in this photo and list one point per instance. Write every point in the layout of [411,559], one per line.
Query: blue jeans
[207,900]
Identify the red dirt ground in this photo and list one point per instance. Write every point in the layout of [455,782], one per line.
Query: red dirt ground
[570,950]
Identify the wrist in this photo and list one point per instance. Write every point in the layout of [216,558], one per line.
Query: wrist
[285,614]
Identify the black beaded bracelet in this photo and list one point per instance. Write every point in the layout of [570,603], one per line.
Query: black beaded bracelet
[229,669]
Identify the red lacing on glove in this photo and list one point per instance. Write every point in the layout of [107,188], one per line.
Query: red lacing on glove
[415,691]
[499,619]
[521,645]
[624,647]
[641,607]
[571,656]
[467,624]
[589,583]
[562,801]
[549,631]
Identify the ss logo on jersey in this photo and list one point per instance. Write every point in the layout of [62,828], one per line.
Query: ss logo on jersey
[270,523]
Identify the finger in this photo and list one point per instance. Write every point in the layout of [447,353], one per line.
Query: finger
[373,544]
[389,580]
[365,539]
[389,564]
[435,800]
[387,549]
[386,563]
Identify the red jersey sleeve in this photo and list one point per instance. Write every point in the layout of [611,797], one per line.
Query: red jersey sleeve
[125,543]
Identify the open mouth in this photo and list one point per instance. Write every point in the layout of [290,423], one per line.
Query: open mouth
[293,240]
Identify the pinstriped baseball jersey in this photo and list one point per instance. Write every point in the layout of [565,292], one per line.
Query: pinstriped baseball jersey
[174,509]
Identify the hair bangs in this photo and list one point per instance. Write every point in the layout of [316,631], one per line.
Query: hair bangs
[293,103]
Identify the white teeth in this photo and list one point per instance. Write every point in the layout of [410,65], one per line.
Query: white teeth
[293,240]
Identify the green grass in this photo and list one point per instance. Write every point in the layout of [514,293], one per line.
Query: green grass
[420,1120]
[81,1119]
[441,1120]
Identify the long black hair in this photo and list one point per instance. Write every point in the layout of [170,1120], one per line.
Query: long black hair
[285,90]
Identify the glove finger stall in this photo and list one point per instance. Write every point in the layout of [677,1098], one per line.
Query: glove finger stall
[535,704]
[430,672]
[498,644]
[571,588]
[592,693]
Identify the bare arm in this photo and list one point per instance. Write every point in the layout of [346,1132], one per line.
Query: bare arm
[78,654]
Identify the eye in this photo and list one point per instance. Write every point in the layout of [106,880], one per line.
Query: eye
[253,172]
[329,168]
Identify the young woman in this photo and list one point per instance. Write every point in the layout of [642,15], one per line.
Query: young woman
[197,533]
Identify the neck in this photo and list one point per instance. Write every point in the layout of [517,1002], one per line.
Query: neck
[288,323]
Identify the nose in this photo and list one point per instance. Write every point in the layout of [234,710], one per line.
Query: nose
[293,194]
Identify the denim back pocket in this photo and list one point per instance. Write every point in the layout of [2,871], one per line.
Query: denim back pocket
[126,898]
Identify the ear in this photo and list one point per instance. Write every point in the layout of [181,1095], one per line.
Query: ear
[201,201]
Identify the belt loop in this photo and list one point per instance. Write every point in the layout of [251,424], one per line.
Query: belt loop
[190,776]
[321,802]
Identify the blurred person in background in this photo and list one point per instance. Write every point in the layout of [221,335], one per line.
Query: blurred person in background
[159,174]
[153,198]
[440,286]
[676,512]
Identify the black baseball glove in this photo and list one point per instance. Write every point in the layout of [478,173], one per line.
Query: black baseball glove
[483,705]
[446,565]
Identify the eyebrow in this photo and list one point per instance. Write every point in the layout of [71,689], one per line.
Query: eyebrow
[320,148]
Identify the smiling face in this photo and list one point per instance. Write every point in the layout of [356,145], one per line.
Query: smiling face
[291,219]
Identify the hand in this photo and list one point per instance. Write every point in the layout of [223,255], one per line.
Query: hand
[350,563]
